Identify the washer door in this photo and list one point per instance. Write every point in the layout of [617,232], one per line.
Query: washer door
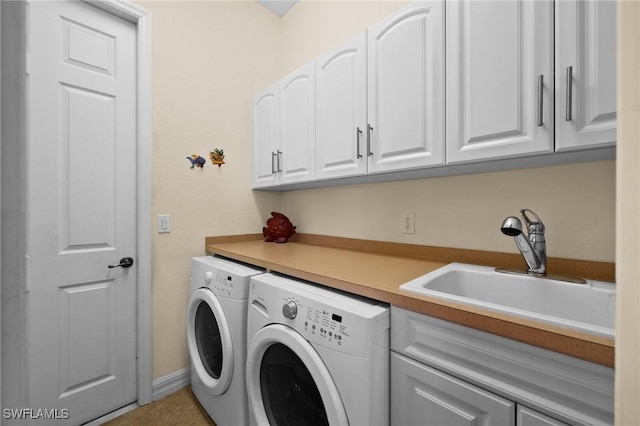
[288,383]
[209,341]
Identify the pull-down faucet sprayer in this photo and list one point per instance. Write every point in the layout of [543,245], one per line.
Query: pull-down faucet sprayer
[533,247]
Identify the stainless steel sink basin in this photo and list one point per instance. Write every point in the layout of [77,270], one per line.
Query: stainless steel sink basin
[587,308]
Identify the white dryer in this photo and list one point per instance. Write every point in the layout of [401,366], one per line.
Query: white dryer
[315,356]
[216,337]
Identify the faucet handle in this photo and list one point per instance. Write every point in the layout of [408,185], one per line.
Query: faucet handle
[533,227]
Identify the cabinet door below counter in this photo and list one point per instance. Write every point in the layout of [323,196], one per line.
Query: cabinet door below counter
[423,395]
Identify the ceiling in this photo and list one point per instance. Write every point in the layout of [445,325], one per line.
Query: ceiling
[279,7]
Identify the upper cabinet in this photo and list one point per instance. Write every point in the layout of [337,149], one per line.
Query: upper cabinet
[528,83]
[341,110]
[284,131]
[266,137]
[297,126]
[585,74]
[406,96]
[499,79]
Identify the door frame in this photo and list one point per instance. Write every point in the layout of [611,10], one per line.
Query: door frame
[142,20]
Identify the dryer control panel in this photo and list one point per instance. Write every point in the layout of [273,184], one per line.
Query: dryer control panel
[223,277]
[323,316]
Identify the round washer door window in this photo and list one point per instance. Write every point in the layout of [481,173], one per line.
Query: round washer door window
[209,341]
[288,383]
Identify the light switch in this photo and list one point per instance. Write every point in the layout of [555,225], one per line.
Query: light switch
[164,223]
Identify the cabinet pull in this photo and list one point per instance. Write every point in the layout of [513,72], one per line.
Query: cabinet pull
[369,130]
[569,92]
[358,133]
[279,156]
[540,99]
[273,166]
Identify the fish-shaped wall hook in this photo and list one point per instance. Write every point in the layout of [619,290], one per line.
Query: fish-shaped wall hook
[196,161]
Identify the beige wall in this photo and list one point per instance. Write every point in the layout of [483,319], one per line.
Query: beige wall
[576,202]
[627,220]
[209,58]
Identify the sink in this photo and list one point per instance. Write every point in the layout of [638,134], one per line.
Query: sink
[587,308]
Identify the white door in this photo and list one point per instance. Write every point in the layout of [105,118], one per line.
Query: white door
[499,79]
[82,210]
[297,126]
[341,110]
[585,74]
[406,89]
[265,137]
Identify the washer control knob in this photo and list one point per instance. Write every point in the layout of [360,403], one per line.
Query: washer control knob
[290,310]
[208,276]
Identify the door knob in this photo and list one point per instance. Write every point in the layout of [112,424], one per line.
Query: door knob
[125,262]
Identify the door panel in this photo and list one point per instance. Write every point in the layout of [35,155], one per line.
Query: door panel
[82,210]
[420,392]
[297,126]
[586,42]
[496,53]
[406,96]
[266,137]
[341,111]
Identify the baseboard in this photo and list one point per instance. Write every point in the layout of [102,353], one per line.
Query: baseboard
[171,383]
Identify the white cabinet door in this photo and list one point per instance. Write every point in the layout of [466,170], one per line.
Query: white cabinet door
[422,395]
[406,96]
[586,59]
[341,110]
[265,137]
[297,126]
[499,79]
[528,417]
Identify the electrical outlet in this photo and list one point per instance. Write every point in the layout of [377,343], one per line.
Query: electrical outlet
[408,223]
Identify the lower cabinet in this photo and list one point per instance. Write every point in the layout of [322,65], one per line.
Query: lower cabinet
[446,374]
[529,417]
[421,395]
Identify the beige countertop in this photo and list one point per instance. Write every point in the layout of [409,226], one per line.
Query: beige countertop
[377,269]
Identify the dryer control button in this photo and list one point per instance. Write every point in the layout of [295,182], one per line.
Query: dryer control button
[208,276]
[290,310]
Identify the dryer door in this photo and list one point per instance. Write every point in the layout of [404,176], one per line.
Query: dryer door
[288,383]
[209,341]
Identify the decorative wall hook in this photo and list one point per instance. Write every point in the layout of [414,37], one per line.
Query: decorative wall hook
[217,157]
[197,161]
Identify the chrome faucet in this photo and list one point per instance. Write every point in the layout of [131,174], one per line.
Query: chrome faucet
[533,248]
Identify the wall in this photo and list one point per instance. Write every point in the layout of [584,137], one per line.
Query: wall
[628,211]
[208,60]
[576,202]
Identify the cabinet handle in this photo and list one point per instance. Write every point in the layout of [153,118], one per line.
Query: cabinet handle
[540,99]
[273,166]
[358,133]
[278,162]
[569,92]
[369,130]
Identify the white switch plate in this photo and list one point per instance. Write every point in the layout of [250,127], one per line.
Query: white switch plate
[164,223]
[408,223]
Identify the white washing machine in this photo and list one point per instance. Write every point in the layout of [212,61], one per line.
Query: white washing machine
[216,337]
[315,356]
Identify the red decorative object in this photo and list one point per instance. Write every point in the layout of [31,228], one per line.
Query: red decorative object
[279,228]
